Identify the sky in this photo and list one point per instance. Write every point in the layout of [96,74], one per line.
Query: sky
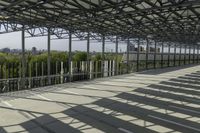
[13,41]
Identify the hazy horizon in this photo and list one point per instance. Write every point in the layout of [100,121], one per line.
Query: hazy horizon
[13,41]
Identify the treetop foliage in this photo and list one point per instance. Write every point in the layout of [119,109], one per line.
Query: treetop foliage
[55,56]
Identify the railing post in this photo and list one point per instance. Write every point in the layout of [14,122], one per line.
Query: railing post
[91,69]
[30,75]
[42,79]
[96,69]
[113,67]
[61,72]
[36,69]
[56,68]
[1,71]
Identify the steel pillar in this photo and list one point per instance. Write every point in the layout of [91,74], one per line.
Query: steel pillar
[155,53]
[49,56]
[194,54]
[88,55]
[103,56]
[189,54]
[70,56]
[162,55]
[138,54]
[147,53]
[198,54]
[127,55]
[175,55]
[169,55]
[180,55]
[116,56]
[23,76]
[185,55]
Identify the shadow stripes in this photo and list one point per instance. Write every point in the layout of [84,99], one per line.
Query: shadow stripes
[173,89]
[48,124]
[180,85]
[104,122]
[171,122]
[161,104]
[169,95]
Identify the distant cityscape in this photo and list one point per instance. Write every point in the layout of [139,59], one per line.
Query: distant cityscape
[134,49]
[34,51]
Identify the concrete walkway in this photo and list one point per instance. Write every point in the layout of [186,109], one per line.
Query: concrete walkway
[162,100]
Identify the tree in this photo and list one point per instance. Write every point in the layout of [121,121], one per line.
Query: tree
[97,57]
[80,56]
[2,58]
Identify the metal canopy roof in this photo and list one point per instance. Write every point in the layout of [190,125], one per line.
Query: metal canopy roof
[162,20]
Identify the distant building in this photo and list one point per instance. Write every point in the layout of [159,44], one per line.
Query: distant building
[153,50]
[34,50]
[15,51]
[5,50]
[133,53]
[133,49]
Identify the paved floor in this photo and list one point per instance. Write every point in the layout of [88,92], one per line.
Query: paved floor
[163,100]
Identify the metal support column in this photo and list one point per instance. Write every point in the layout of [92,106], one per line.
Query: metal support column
[23,59]
[70,56]
[180,55]
[88,55]
[138,54]
[147,53]
[49,56]
[169,55]
[175,55]
[116,56]
[198,54]
[162,55]
[127,55]
[189,54]
[155,53]
[103,56]
[185,55]
[194,54]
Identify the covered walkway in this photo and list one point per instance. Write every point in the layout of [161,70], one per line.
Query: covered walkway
[156,34]
[163,100]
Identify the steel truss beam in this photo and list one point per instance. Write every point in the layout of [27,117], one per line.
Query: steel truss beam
[165,21]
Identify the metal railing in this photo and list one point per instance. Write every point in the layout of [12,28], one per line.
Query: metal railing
[36,73]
